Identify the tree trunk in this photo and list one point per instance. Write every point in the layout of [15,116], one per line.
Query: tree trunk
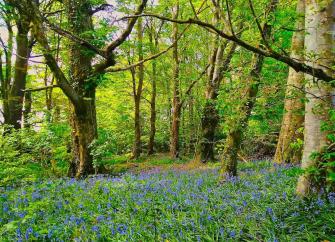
[319,24]
[192,124]
[84,131]
[27,109]
[174,148]
[293,118]
[137,149]
[234,138]
[176,103]
[219,63]
[83,117]
[48,96]
[7,77]
[210,117]
[137,125]
[16,95]
[209,123]
[152,134]
[2,87]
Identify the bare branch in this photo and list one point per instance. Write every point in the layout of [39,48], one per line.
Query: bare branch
[102,7]
[54,12]
[112,46]
[4,47]
[39,88]
[124,68]
[193,9]
[108,52]
[260,29]
[229,19]
[323,98]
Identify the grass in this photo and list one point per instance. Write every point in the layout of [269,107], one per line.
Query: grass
[168,205]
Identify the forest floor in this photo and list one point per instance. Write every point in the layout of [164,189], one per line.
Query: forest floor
[156,163]
[168,202]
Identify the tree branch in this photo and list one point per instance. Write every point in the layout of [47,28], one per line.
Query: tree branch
[75,38]
[129,67]
[124,68]
[260,29]
[189,89]
[109,55]
[102,7]
[296,65]
[112,46]
[62,81]
[39,88]
[229,19]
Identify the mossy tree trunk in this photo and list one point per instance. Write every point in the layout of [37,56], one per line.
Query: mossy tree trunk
[15,95]
[235,134]
[83,120]
[293,118]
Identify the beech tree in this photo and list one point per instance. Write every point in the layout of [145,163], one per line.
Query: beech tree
[319,44]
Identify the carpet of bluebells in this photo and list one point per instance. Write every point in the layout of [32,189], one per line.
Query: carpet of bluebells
[171,205]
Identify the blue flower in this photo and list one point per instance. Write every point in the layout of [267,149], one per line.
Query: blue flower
[122,229]
[28,232]
[50,232]
[18,233]
[100,218]
[269,210]
[320,202]
[95,228]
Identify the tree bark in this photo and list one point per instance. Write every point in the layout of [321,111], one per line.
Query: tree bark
[83,117]
[7,77]
[27,109]
[84,131]
[235,135]
[293,118]
[137,90]
[16,95]
[176,103]
[154,46]
[210,117]
[319,24]
[219,63]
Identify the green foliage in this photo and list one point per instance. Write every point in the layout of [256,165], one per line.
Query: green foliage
[323,173]
[26,155]
[104,149]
